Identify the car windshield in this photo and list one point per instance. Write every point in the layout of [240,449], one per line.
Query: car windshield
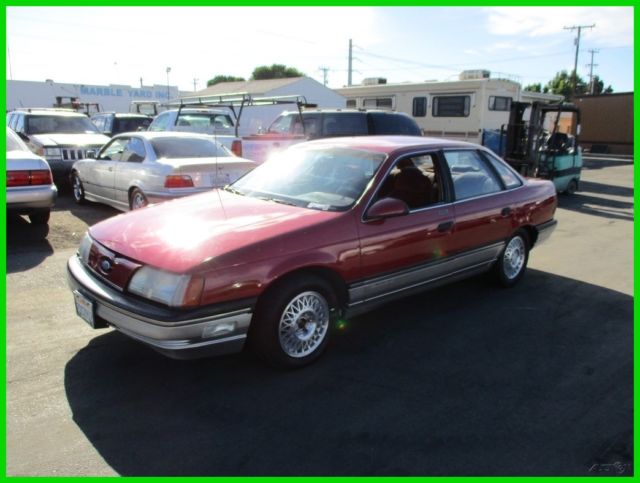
[314,177]
[59,124]
[14,143]
[177,147]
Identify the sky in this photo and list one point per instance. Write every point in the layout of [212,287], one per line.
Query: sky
[121,45]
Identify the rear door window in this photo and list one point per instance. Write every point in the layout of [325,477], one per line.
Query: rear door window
[470,174]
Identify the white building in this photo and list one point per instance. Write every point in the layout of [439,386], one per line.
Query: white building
[255,119]
[112,97]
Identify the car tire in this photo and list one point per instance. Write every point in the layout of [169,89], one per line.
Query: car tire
[77,188]
[40,217]
[293,321]
[572,187]
[513,259]
[137,199]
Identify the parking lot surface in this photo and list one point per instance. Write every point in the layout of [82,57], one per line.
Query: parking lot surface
[468,379]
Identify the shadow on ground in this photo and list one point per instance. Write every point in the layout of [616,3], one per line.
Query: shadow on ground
[465,380]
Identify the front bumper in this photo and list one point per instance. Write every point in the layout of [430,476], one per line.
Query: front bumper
[24,199]
[211,331]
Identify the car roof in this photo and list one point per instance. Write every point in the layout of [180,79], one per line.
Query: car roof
[52,112]
[193,110]
[149,135]
[390,144]
[121,114]
[335,110]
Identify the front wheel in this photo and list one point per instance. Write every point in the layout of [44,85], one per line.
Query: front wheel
[512,263]
[78,188]
[137,199]
[293,321]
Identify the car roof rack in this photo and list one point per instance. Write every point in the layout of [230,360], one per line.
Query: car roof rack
[53,109]
[239,100]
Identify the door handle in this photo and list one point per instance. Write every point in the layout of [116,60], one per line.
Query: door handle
[505,211]
[445,226]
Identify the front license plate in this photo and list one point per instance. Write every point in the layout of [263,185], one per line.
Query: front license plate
[84,308]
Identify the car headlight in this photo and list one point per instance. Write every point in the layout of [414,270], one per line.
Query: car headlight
[85,248]
[52,152]
[167,288]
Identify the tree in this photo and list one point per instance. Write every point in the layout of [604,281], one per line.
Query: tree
[536,88]
[562,84]
[599,86]
[275,71]
[223,78]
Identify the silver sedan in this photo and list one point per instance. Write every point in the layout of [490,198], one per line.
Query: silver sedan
[30,188]
[136,169]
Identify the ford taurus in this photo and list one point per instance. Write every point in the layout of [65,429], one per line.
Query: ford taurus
[329,229]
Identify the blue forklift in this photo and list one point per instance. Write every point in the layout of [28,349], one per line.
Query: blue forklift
[541,141]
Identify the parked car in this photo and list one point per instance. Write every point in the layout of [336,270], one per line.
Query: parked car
[135,169]
[215,122]
[112,123]
[30,188]
[332,228]
[61,136]
[293,127]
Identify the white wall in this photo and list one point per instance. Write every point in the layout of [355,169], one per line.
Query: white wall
[111,98]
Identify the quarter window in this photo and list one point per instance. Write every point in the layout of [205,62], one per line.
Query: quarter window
[508,176]
[451,106]
[499,103]
[419,106]
[134,152]
[471,176]
[113,151]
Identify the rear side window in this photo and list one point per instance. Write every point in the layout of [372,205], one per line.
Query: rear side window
[385,123]
[471,176]
[345,124]
[161,123]
[282,125]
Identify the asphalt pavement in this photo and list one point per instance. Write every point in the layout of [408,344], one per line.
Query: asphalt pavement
[468,379]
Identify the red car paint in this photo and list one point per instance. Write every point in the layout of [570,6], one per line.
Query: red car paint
[241,245]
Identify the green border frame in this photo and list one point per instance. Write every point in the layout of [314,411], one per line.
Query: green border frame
[372,3]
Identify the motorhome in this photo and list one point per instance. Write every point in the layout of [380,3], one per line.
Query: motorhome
[462,109]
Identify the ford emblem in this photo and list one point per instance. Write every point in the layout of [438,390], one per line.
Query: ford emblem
[105,265]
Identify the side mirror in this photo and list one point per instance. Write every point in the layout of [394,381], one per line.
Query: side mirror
[23,136]
[91,154]
[386,208]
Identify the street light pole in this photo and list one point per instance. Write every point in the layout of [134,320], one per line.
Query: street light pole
[168,95]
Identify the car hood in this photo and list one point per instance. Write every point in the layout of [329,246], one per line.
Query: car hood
[19,160]
[70,139]
[216,227]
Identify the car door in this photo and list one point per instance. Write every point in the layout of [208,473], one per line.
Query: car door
[131,169]
[483,208]
[100,180]
[404,251]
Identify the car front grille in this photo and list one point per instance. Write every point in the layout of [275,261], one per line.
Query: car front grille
[73,153]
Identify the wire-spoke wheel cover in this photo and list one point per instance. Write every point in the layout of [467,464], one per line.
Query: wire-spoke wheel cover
[138,200]
[304,324]
[514,257]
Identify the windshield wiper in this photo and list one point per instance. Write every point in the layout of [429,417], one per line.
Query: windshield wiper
[277,200]
[231,189]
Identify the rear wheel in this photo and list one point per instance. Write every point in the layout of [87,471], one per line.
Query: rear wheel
[512,263]
[40,217]
[292,324]
[137,199]
[572,187]
[77,188]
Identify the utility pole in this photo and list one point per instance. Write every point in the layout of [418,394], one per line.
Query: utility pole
[577,43]
[140,82]
[350,62]
[592,84]
[168,95]
[195,81]
[324,70]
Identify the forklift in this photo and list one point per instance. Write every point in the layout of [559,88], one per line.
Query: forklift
[541,141]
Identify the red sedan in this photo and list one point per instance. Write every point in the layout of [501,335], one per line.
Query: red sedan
[328,229]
